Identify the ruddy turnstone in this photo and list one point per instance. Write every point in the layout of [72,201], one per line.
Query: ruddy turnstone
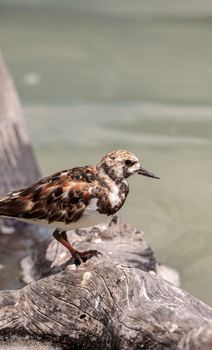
[76,198]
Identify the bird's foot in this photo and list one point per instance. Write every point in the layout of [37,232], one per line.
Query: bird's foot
[84,256]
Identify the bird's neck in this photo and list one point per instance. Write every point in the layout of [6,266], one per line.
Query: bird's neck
[110,179]
[115,193]
[117,190]
[112,175]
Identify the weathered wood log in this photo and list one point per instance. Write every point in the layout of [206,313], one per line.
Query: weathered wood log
[18,169]
[110,302]
[18,166]
[102,305]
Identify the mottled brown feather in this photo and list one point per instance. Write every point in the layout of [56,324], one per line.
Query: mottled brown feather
[60,197]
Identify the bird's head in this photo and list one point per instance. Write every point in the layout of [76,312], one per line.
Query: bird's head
[119,165]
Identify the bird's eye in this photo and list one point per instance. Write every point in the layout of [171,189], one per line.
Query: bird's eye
[128,162]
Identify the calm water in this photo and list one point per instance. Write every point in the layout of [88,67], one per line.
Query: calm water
[100,75]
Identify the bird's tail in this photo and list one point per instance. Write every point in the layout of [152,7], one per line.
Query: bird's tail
[4,206]
[9,204]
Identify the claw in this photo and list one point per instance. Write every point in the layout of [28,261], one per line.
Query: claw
[77,258]
[84,256]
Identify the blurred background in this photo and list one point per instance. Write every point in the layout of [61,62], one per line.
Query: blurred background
[98,75]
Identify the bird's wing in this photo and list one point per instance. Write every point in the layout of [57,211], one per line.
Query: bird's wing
[61,197]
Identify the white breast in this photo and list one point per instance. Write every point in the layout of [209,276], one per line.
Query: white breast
[114,196]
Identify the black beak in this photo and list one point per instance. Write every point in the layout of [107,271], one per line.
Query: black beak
[144,172]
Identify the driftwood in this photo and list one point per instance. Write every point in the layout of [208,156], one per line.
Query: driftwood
[18,166]
[18,169]
[106,303]
[111,302]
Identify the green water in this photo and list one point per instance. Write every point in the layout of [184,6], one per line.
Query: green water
[94,76]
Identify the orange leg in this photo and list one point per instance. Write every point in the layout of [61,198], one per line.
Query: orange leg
[61,236]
